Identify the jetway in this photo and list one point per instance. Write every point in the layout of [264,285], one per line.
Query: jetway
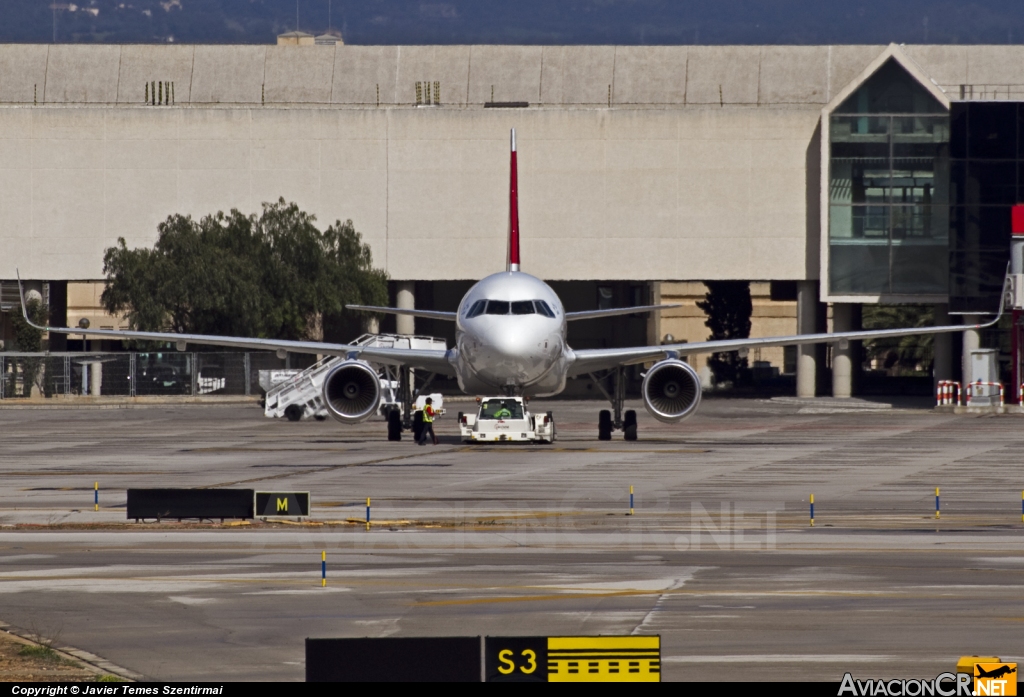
[298,394]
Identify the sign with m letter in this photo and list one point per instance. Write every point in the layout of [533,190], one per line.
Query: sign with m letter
[282,503]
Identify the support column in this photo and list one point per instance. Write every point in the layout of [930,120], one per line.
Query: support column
[58,314]
[406,300]
[806,323]
[972,340]
[942,368]
[97,379]
[842,351]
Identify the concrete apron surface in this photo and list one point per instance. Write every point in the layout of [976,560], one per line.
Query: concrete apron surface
[719,558]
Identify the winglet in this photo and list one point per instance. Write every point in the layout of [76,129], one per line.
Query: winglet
[513,212]
[24,308]
[1004,295]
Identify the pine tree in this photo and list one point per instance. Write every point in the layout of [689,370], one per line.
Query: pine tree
[728,307]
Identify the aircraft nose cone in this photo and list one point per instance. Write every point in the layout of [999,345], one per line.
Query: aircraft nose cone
[508,354]
[511,344]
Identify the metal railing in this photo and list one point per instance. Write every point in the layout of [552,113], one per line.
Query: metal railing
[984,92]
[974,390]
[947,393]
[133,374]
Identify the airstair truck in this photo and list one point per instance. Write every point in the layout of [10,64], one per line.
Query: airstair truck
[298,394]
[501,419]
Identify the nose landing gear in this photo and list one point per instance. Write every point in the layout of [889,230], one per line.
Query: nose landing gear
[626,422]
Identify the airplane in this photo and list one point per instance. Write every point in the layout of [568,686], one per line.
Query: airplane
[511,338]
[995,672]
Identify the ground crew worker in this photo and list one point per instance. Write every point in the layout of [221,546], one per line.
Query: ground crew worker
[428,423]
[503,413]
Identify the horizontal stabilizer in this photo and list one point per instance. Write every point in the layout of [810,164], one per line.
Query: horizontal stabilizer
[425,314]
[598,314]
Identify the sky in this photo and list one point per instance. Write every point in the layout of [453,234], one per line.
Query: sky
[623,22]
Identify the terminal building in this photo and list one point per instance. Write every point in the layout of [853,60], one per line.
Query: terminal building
[830,177]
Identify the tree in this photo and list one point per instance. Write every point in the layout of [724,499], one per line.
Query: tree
[728,307]
[272,276]
[903,355]
[28,339]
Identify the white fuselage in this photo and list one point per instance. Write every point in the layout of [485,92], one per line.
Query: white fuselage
[510,337]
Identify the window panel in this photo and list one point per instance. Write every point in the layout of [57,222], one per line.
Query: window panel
[889,188]
[919,268]
[920,224]
[913,181]
[958,132]
[976,279]
[991,182]
[859,267]
[891,90]
[543,308]
[993,130]
[859,129]
[860,181]
[522,307]
[920,129]
[497,307]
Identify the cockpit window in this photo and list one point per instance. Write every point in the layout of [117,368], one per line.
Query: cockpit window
[543,308]
[522,307]
[504,307]
[497,307]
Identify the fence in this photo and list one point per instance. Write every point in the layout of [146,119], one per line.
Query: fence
[133,374]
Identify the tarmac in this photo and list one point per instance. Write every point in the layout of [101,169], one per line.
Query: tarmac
[719,558]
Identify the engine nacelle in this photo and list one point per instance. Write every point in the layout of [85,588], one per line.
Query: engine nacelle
[352,392]
[671,391]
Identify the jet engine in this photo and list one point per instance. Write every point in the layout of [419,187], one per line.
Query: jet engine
[671,390]
[352,392]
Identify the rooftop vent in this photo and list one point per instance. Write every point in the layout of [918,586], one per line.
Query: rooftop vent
[329,39]
[295,38]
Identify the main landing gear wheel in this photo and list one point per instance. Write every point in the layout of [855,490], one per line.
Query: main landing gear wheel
[604,425]
[293,412]
[629,425]
[394,425]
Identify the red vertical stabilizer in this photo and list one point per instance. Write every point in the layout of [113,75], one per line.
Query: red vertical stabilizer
[513,212]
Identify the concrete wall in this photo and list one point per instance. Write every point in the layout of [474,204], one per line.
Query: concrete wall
[641,163]
[554,75]
[695,193]
[84,303]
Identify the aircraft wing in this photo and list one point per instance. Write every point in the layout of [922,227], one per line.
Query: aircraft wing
[426,314]
[597,314]
[590,360]
[436,361]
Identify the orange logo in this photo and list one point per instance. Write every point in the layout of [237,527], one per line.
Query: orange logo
[995,679]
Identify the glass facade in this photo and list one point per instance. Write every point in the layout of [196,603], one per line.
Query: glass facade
[987,151]
[889,189]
